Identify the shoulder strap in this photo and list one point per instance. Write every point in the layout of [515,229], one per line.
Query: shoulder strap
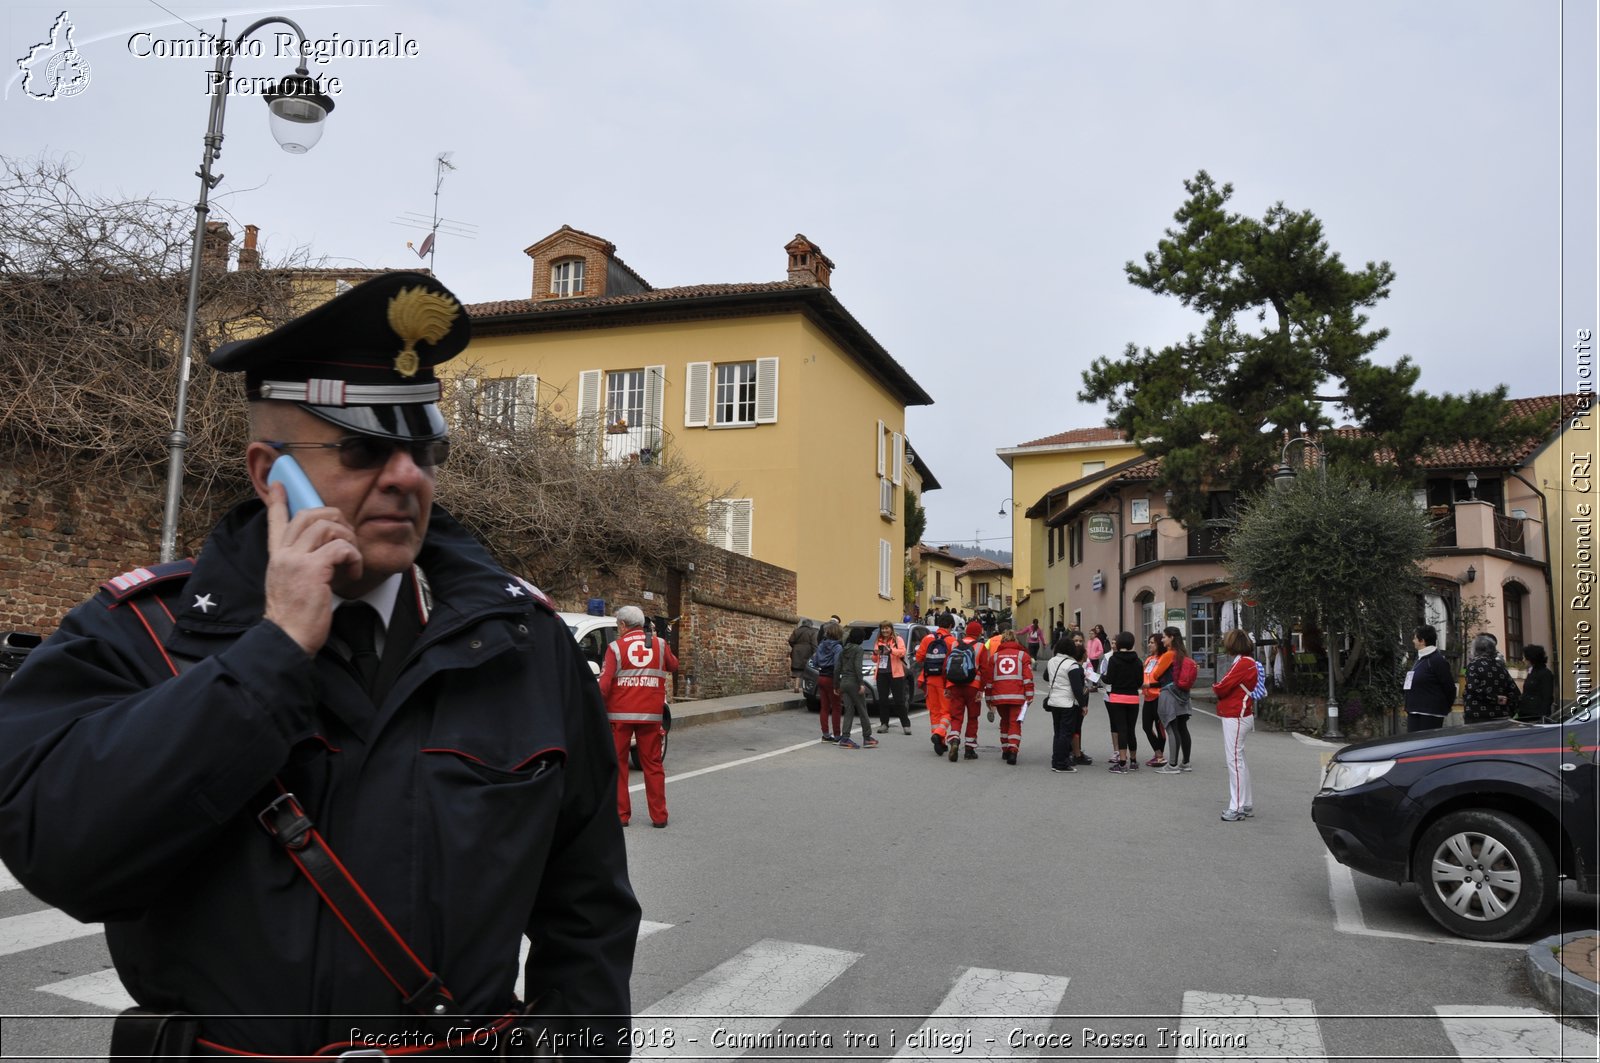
[287,824]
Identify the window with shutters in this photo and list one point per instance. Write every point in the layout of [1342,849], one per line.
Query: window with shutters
[888,498]
[624,399]
[885,570]
[619,414]
[735,401]
[730,394]
[566,277]
[489,408]
[729,524]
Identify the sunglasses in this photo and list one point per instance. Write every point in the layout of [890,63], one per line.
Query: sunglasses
[371,452]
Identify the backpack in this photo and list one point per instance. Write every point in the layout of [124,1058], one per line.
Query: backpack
[1188,672]
[826,657]
[933,661]
[961,667]
[1260,690]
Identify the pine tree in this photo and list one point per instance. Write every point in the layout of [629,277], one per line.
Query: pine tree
[1285,329]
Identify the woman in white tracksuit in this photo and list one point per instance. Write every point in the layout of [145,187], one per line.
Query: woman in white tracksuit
[1236,710]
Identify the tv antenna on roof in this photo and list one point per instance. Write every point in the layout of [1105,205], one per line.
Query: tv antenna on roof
[429,247]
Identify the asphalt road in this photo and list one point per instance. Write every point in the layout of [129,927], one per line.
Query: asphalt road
[895,905]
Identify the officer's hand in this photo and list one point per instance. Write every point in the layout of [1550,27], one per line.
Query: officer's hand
[303,556]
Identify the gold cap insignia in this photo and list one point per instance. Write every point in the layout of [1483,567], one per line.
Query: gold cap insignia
[418,314]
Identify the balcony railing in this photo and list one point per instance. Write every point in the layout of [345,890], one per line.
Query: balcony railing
[1206,541]
[1510,533]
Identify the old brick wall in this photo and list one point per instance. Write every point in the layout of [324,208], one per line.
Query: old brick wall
[58,543]
[734,618]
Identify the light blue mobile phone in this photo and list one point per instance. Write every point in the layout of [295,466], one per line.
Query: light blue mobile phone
[302,495]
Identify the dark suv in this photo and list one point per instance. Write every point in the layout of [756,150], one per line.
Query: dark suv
[1485,819]
[867,631]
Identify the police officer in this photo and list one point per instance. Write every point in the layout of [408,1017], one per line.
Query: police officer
[634,682]
[359,678]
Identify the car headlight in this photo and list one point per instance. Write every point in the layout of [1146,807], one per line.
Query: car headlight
[1343,775]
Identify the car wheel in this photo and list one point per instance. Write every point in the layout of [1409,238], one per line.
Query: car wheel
[1484,875]
[666,737]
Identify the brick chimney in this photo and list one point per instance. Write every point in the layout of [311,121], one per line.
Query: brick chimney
[214,248]
[807,263]
[249,257]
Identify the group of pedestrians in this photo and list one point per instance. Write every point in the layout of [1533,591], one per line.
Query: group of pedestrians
[1489,692]
[959,673]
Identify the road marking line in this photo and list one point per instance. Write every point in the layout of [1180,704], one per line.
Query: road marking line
[747,996]
[988,1006]
[1493,1035]
[1234,1026]
[1348,918]
[103,989]
[814,743]
[646,928]
[19,933]
[8,881]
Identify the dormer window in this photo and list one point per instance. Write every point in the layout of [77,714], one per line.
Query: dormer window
[566,277]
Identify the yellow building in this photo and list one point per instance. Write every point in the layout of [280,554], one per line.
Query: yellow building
[935,571]
[772,389]
[1041,466]
[984,584]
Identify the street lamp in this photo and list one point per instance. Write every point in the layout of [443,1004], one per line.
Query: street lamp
[296,107]
[1003,505]
[1281,480]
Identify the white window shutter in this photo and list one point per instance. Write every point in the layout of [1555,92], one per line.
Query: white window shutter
[717,512]
[885,569]
[697,395]
[466,401]
[741,525]
[655,386]
[881,460]
[589,414]
[899,458]
[527,400]
[766,391]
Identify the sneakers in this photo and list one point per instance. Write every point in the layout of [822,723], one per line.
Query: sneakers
[938,746]
[907,730]
[1068,770]
[1232,815]
[1133,764]
[845,743]
[1117,768]
[829,738]
[1248,811]
[1079,758]
[1156,762]
[883,728]
[871,743]
[968,754]
[1185,767]
[1169,769]
[955,747]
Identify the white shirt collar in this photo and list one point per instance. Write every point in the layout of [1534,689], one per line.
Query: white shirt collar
[1425,651]
[381,598]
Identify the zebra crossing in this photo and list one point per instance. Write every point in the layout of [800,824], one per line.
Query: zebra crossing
[756,1003]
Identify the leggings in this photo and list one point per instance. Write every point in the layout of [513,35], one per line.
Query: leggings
[828,706]
[1178,740]
[1122,719]
[1154,733]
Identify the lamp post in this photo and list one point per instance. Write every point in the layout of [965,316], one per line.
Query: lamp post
[1281,479]
[296,108]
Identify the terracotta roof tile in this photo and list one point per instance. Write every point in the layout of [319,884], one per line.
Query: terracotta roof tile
[982,564]
[508,307]
[1079,435]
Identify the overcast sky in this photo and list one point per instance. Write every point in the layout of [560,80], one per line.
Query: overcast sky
[978,172]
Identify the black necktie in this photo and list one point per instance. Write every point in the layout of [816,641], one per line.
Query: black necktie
[356,625]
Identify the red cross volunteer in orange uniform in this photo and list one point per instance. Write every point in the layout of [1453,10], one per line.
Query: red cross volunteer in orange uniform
[634,681]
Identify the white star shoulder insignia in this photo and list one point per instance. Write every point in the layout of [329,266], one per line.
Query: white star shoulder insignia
[203,603]
[515,590]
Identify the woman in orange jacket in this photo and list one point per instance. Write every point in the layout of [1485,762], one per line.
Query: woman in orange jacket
[1156,666]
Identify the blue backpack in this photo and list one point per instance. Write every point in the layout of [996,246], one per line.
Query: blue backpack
[933,661]
[1260,690]
[961,667]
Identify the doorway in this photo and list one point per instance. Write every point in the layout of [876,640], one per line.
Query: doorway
[1203,638]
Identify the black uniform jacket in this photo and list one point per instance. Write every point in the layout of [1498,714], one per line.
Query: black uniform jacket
[476,803]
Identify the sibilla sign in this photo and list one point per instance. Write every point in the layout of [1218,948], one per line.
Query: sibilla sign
[1100,527]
